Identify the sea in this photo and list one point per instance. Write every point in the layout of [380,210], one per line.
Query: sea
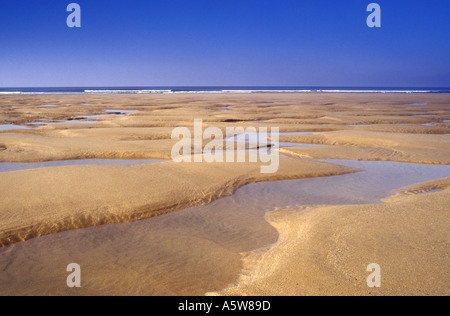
[231,89]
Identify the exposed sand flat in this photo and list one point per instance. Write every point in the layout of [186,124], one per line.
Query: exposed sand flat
[420,188]
[119,137]
[363,145]
[99,143]
[114,133]
[403,128]
[83,196]
[321,250]
[23,147]
[336,107]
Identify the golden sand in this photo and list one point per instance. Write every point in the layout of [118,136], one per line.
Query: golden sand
[321,250]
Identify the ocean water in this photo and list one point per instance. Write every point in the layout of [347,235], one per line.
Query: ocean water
[229,89]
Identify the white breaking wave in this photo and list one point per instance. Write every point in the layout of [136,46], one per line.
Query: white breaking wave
[374,91]
[248,91]
[212,91]
[30,93]
[126,91]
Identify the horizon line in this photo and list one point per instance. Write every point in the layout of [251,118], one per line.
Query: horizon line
[228,86]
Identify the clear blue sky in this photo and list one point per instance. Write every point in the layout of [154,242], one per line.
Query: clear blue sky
[225,42]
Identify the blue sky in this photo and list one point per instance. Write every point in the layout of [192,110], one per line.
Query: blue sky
[225,43]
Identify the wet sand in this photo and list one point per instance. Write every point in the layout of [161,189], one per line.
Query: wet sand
[195,251]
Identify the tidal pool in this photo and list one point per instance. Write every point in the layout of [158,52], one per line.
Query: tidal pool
[8,127]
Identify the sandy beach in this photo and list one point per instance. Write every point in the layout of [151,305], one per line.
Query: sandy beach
[166,228]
